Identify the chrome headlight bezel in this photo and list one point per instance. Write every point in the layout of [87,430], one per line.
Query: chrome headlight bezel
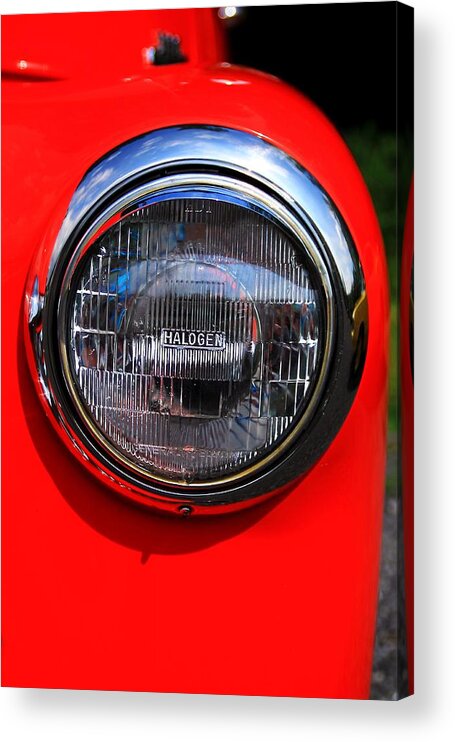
[207,159]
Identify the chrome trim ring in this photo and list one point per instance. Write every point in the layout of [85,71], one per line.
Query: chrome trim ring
[212,159]
[175,187]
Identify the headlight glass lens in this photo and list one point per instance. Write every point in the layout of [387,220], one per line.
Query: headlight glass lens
[194,337]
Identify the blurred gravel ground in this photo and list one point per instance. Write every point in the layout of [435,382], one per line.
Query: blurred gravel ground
[389,678]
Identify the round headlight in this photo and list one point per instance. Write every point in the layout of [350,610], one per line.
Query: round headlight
[197,312]
[194,335]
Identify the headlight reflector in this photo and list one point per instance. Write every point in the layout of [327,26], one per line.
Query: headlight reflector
[193,336]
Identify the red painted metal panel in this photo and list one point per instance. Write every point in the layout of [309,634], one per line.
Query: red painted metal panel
[276,600]
[104,46]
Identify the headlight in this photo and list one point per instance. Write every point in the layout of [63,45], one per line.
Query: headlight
[195,317]
[193,336]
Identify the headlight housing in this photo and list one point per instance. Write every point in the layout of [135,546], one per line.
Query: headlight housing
[197,313]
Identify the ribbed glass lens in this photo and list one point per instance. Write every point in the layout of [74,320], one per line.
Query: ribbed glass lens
[194,337]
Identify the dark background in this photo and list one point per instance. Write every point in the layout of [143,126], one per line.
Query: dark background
[355,61]
[342,56]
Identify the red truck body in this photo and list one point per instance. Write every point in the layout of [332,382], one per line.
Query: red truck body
[279,599]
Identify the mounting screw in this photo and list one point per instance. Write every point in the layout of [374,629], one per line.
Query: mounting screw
[185,511]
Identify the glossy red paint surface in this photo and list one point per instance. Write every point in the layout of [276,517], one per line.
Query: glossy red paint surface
[407,427]
[103,46]
[276,600]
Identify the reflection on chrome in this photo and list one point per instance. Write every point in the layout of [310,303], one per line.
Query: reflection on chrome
[225,148]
